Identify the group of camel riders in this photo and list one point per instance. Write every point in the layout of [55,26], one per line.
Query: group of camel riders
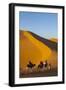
[41,65]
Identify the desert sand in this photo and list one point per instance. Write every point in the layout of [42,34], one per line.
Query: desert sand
[35,49]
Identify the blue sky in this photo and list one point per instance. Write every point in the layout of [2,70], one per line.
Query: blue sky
[43,24]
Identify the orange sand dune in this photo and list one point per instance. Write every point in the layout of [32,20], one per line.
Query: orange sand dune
[35,51]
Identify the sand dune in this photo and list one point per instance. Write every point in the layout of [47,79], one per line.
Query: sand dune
[54,40]
[35,49]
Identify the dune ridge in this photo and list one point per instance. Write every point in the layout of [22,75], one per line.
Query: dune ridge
[49,43]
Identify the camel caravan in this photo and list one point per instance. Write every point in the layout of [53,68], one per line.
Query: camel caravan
[42,66]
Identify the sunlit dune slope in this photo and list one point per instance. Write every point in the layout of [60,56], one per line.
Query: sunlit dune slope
[34,50]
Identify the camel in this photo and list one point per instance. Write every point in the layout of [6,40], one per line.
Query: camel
[40,65]
[45,65]
[30,66]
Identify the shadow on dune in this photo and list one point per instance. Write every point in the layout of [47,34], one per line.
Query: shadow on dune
[50,44]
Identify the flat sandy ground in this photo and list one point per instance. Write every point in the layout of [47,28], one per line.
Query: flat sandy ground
[45,73]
